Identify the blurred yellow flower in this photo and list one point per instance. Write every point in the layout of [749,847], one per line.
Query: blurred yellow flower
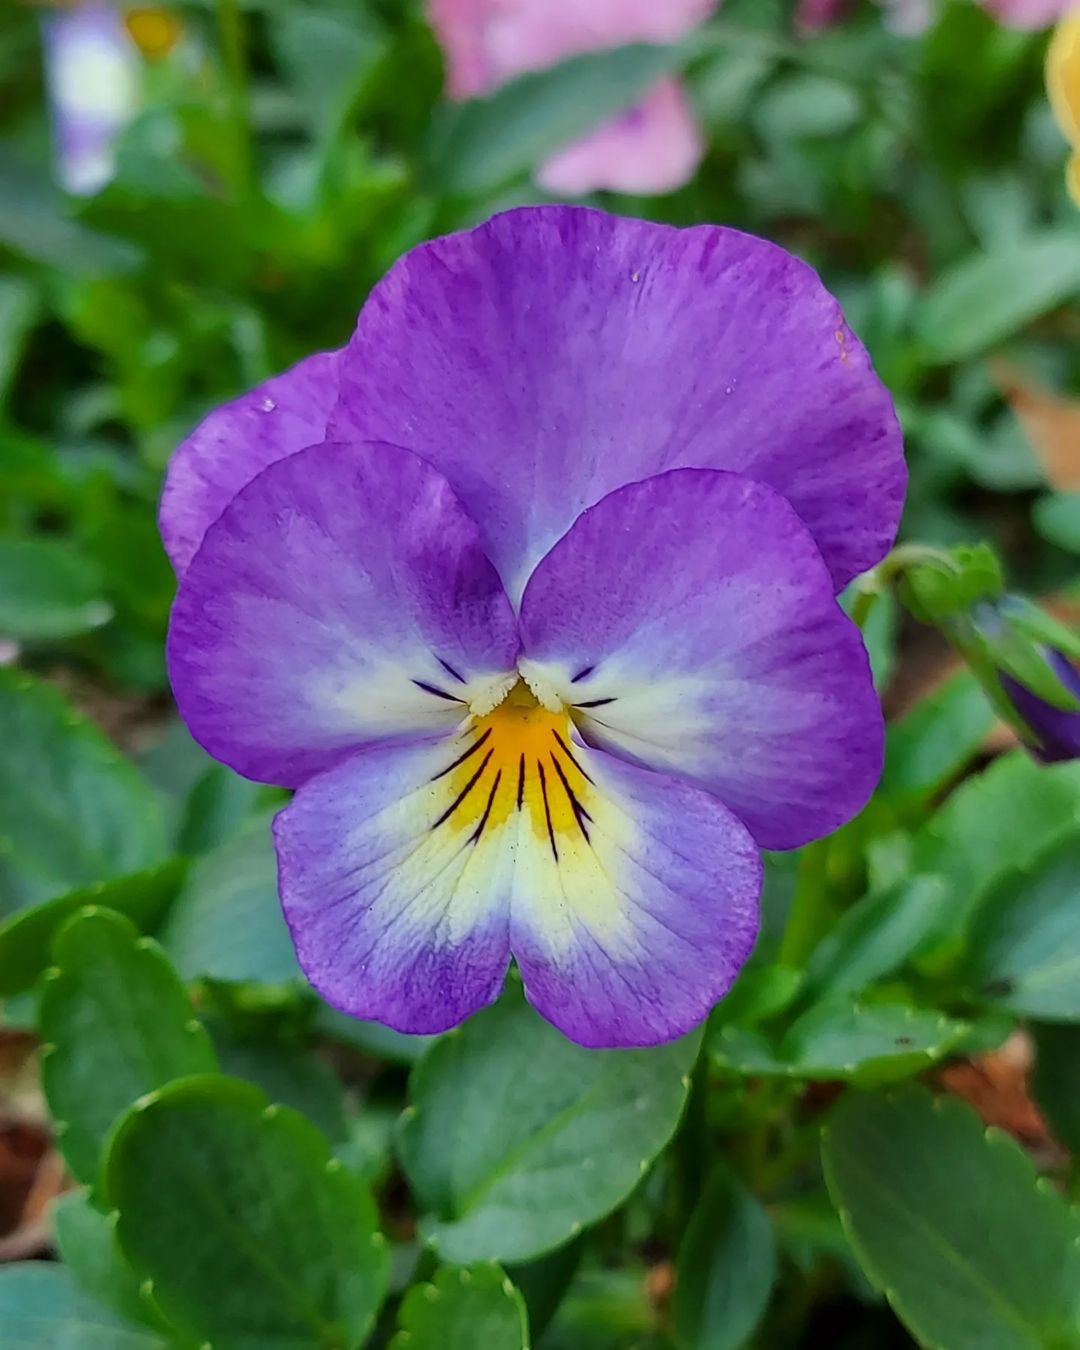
[1063,84]
[154,31]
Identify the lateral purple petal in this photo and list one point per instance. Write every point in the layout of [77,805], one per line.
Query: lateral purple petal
[691,622]
[555,353]
[341,599]
[237,441]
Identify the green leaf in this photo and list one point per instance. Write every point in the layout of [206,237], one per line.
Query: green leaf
[371,1038]
[48,590]
[937,739]
[204,802]
[1056,1081]
[41,1309]
[463,1309]
[290,1077]
[34,222]
[482,144]
[990,296]
[996,820]
[26,938]
[73,811]
[280,1242]
[1023,948]
[1057,518]
[118,1024]
[951,1222]
[875,936]
[838,1039]
[86,1242]
[514,1163]
[226,923]
[20,309]
[726,1268]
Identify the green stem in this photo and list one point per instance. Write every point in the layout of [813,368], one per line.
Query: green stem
[810,907]
[234,62]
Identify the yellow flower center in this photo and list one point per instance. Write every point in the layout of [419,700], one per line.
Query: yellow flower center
[519,759]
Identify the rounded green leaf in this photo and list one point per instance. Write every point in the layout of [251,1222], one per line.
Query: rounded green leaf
[86,1241]
[47,590]
[839,1039]
[73,811]
[517,1138]
[1024,943]
[226,923]
[951,1222]
[118,1024]
[26,937]
[990,296]
[726,1270]
[41,1309]
[463,1309]
[251,1234]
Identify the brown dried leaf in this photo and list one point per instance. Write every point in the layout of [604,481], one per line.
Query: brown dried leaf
[1050,421]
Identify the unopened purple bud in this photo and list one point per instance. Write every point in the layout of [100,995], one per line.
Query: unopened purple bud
[1056,732]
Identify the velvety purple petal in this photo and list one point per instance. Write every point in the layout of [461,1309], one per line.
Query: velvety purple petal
[237,441]
[408,874]
[393,918]
[691,621]
[555,353]
[638,922]
[341,599]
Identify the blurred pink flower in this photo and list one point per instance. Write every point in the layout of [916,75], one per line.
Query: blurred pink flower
[654,147]
[1028,13]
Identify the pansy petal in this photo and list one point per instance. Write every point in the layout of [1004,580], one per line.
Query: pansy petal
[394,917]
[628,929]
[555,353]
[341,599]
[690,620]
[653,147]
[408,874]
[237,441]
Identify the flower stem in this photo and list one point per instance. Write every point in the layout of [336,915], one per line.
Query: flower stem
[232,37]
[810,907]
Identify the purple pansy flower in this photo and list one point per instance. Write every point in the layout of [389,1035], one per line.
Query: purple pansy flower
[529,591]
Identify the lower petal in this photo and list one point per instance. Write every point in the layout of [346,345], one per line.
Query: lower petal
[628,929]
[396,915]
[408,876]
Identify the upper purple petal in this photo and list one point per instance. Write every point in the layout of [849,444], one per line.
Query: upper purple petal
[341,599]
[556,353]
[237,441]
[690,620]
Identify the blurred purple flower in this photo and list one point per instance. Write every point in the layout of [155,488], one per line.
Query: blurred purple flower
[529,591]
[655,147]
[1028,13]
[92,74]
